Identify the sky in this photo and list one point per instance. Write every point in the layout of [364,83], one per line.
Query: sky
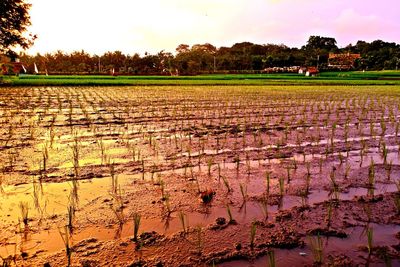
[139,26]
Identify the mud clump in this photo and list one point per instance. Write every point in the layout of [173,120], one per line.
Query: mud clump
[327,232]
[207,196]
[149,238]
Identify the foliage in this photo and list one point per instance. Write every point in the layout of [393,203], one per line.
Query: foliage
[245,57]
[15,21]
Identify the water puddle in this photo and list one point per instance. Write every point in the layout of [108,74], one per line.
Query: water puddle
[383,235]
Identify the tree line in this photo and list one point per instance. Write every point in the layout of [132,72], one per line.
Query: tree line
[200,58]
[244,57]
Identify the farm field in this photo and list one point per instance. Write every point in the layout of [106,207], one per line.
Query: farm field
[324,78]
[200,175]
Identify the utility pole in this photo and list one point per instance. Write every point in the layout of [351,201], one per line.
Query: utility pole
[99,65]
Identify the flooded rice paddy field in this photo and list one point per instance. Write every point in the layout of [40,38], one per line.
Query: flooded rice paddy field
[200,176]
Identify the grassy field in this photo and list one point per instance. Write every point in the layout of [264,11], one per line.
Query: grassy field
[325,78]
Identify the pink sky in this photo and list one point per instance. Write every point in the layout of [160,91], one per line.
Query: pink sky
[152,25]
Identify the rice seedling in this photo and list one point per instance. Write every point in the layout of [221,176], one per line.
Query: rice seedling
[67,244]
[288,174]
[384,153]
[70,218]
[368,212]
[347,171]
[114,178]
[335,185]
[167,206]
[329,214]
[253,229]
[268,181]
[209,165]
[24,209]
[371,177]
[316,247]
[76,155]
[243,191]
[281,186]
[294,164]
[226,183]
[397,203]
[389,169]
[370,236]
[236,160]
[136,224]
[183,219]
[143,170]
[271,258]
[199,239]
[308,183]
[118,206]
[45,156]
[101,144]
[263,204]
[320,164]
[228,210]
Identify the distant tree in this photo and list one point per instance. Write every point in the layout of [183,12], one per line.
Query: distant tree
[318,48]
[321,43]
[182,48]
[14,22]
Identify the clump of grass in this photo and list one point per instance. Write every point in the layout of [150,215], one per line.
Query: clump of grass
[136,224]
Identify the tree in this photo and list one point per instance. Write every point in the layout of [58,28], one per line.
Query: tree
[321,43]
[14,23]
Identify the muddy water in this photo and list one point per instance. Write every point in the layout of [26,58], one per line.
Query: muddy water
[351,246]
[54,196]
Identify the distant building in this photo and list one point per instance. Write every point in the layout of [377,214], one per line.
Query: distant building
[312,71]
[342,61]
[10,66]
